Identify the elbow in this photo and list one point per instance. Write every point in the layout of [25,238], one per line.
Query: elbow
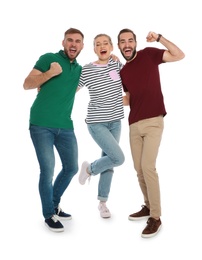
[181,55]
[25,86]
[28,84]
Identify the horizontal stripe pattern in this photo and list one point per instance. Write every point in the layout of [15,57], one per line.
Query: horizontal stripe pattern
[105,90]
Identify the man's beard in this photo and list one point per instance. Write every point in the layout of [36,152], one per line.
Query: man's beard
[70,57]
[131,57]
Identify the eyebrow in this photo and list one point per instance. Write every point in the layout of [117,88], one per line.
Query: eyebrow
[71,39]
[127,39]
[103,41]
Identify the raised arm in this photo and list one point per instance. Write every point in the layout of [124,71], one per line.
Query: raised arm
[36,78]
[173,53]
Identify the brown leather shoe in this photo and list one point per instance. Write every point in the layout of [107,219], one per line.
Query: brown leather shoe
[143,213]
[152,228]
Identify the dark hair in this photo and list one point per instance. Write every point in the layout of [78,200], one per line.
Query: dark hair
[125,31]
[72,31]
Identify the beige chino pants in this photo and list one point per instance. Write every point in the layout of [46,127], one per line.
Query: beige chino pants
[145,139]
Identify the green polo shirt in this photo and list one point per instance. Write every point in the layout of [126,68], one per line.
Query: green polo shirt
[54,102]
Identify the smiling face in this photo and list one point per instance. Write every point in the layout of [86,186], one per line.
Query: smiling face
[103,47]
[127,45]
[73,44]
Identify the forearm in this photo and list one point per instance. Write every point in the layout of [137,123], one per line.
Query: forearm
[35,81]
[175,51]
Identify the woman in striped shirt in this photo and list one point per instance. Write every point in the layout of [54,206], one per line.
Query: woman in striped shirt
[104,114]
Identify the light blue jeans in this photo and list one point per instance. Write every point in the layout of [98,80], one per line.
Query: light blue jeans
[107,136]
[44,140]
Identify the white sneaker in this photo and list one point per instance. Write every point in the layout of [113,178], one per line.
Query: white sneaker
[83,176]
[104,211]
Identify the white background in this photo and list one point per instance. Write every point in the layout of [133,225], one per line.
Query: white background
[31,28]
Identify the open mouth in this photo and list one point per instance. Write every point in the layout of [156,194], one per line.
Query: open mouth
[128,51]
[72,50]
[103,52]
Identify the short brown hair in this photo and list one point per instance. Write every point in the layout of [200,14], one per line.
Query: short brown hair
[125,31]
[72,31]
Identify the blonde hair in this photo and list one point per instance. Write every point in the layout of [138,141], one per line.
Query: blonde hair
[103,34]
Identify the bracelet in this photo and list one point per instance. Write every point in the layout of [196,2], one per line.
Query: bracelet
[159,37]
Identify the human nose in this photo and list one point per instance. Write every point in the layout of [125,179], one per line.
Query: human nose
[73,43]
[126,44]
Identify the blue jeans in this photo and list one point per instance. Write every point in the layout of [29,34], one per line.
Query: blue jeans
[107,136]
[44,140]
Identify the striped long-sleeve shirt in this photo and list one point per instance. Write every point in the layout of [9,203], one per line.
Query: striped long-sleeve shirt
[105,90]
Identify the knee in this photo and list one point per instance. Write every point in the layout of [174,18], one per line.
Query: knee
[74,170]
[70,170]
[121,159]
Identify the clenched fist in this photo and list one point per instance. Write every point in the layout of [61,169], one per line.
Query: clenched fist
[152,36]
[55,69]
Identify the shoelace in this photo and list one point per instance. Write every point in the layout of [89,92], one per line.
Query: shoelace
[54,218]
[59,210]
[104,208]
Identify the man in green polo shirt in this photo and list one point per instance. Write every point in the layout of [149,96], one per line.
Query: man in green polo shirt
[57,76]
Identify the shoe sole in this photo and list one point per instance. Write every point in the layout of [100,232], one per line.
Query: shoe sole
[137,218]
[55,229]
[105,216]
[64,218]
[151,235]
[84,164]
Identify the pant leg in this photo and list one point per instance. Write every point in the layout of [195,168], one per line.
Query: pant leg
[43,141]
[153,134]
[145,141]
[66,145]
[107,136]
[104,184]
[136,145]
